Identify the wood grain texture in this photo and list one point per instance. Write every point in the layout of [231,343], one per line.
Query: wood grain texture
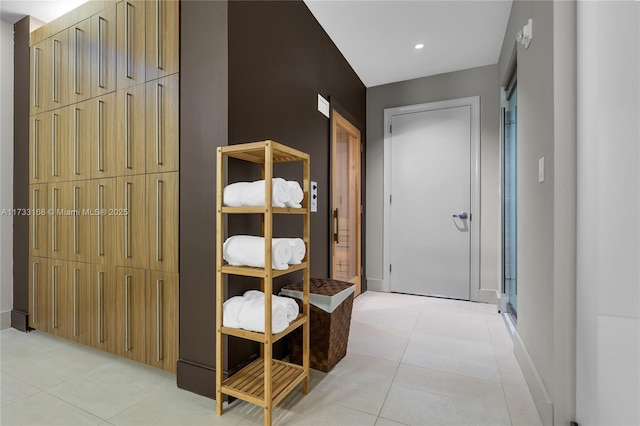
[38,220]
[39,78]
[103,137]
[163,221]
[79,303]
[162,38]
[39,152]
[80,139]
[130,313]
[57,291]
[131,42]
[102,283]
[56,131]
[102,197]
[79,68]
[57,209]
[38,302]
[132,235]
[162,320]
[79,201]
[103,52]
[162,97]
[130,131]
[57,51]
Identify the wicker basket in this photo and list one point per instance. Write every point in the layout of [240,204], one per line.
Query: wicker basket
[329,331]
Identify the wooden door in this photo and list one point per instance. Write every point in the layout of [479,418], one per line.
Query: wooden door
[56,129]
[38,306]
[163,38]
[103,52]
[162,320]
[102,198]
[57,297]
[163,124]
[162,219]
[39,78]
[102,293]
[131,43]
[130,158]
[130,317]
[131,235]
[79,38]
[79,302]
[103,136]
[39,157]
[58,57]
[346,201]
[38,223]
[58,220]
[80,139]
[79,221]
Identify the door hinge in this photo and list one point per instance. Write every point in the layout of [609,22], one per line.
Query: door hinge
[390,128]
[389,268]
[389,198]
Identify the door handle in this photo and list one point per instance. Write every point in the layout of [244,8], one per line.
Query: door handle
[336,236]
[462,215]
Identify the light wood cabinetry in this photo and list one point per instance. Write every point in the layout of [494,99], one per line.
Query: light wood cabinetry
[80,139]
[56,129]
[38,223]
[79,38]
[162,210]
[130,317]
[38,306]
[39,83]
[103,52]
[103,225]
[162,320]
[130,152]
[163,124]
[57,54]
[131,235]
[38,152]
[162,33]
[57,297]
[103,136]
[131,22]
[79,302]
[58,220]
[102,293]
[79,221]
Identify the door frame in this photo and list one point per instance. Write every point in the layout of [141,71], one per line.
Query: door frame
[474,268]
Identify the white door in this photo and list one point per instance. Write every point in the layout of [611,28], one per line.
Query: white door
[430,203]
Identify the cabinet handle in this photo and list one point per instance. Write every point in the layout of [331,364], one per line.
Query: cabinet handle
[336,236]
[127,288]
[34,296]
[158,35]
[54,208]
[159,126]
[159,207]
[34,218]
[76,123]
[75,302]
[101,43]
[36,145]
[100,336]
[127,131]
[54,296]
[127,223]
[75,61]
[159,304]
[100,136]
[100,248]
[54,74]
[127,39]
[54,143]
[75,219]
[36,75]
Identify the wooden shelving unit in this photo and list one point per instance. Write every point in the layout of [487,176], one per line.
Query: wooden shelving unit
[265,382]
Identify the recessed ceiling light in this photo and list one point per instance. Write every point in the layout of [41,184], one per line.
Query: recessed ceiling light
[419,46]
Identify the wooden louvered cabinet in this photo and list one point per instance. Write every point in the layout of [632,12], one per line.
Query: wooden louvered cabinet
[162,38]
[130,131]
[79,39]
[103,52]
[162,210]
[131,230]
[130,313]
[79,302]
[162,134]
[162,320]
[38,220]
[102,294]
[131,22]
[38,303]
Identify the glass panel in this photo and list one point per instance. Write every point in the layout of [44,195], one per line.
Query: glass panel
[345,267]
[510,184]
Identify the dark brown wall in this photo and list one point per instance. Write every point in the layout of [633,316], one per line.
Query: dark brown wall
[21,174]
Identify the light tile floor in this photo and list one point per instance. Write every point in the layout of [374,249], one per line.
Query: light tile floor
[411,361]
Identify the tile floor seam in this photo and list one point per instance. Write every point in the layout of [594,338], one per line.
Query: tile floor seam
[75,406]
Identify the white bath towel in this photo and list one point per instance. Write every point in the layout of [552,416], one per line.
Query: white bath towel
[291,307]
[298,250]
[295,194]
[247,194]
[252,316]
[248,250]
[231,311]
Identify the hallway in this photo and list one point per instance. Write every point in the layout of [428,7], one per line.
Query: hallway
[411,360]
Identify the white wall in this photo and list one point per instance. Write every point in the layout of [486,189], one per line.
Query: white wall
[6,172]
[608,320]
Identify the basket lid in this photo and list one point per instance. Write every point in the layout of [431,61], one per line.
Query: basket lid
[325,293]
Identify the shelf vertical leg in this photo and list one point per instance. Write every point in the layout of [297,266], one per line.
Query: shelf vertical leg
[305,278]
[219,285]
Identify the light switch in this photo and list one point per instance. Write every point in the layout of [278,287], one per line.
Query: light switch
[323,106]
[541,170]
[314,197]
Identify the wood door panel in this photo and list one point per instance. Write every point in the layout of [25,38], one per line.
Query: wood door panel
[132,235]
[102,283]
[79,38]
[38,220]
[131,22]
[79,302]
[103,136]
[39,78]
[57,214]
[38,149]
[162,320]
[163,124]
[162,219]
[130,131]
[80,139]
[102,198]
[163,38]
[38,302]
[79,222]
[58,288]
[130,318]
[103,52]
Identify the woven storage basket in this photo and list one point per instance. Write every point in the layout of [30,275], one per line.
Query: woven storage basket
[329,331]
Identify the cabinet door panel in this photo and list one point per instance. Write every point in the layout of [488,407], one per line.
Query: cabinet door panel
[131,43]
[58,55]
[162,208]
[103,52]
[130,131]
[39,79]
[130,292]
[79,221]
[102,117]
[79,302]
[58,291]
[38,223]
[162,124]
[38,150]
[131,236]
[58,220]
[79,147]
[38,306]
[102,198]
[79,37]
[56,127]
[162,320]
[163,38]
[102,283]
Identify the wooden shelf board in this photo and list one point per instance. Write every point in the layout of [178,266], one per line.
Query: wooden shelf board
[262,210]
[249,271]
[248,383]
[255,152]
[260,337]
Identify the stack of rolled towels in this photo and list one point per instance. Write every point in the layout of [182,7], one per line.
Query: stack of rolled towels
[251,194]
[247,312]
[248,250]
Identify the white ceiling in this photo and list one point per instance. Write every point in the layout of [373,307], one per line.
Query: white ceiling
[377,37]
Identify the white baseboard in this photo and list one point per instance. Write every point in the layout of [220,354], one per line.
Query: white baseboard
[488,296]
[376,285]
[539,392]
[5,320]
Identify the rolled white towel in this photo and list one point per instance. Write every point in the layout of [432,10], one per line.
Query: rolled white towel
[231,311]
[251,194]
[298,250]
[248,250]
[296,195]
[291,307]
[252,316]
